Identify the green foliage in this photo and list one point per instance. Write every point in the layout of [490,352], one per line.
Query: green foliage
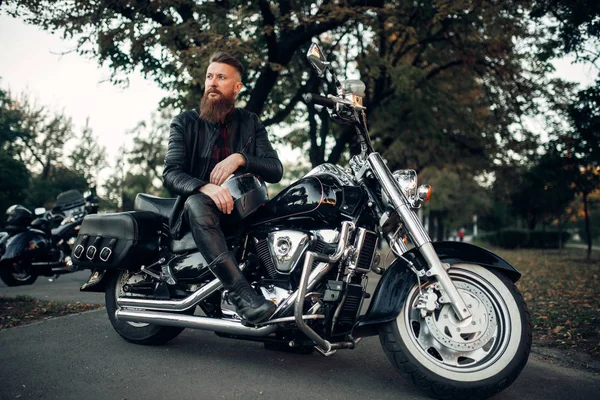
[88,158]
[449,74]
[14,177]
[42,191]
[575,26]
[455,195]
[14,180]
[520,238]
[594,226]
[32,154]
[546,189]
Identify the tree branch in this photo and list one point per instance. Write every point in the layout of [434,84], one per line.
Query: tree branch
[269,34]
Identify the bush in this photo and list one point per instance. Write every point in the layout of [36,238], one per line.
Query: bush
[521,238]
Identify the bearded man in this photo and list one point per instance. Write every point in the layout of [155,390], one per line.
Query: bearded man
[205,147]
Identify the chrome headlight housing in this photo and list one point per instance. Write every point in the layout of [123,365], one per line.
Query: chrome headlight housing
[407,180]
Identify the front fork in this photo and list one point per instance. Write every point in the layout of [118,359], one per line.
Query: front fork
[418,234]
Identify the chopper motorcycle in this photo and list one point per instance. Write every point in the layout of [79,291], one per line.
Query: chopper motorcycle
[32,246]
[448,314]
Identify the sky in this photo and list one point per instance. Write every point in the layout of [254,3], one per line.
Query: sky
[31,63]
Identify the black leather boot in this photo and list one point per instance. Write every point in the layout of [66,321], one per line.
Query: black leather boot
[251,306]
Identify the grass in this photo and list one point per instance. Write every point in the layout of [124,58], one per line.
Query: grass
[21,310]
[562,291]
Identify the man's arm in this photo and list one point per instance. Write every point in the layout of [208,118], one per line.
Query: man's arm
[175,175]
[266,162]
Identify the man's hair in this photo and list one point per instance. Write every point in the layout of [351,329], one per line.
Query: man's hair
[226,58]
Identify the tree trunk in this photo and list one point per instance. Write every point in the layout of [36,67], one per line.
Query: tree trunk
[440,227]
[588,232]
[431,224]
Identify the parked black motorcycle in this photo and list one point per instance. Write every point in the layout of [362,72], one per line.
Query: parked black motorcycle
[32,246]
[448,314]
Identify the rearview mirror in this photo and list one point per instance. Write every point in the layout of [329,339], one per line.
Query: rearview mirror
[317,59]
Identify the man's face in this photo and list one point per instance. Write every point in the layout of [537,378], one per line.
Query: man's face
[222,80]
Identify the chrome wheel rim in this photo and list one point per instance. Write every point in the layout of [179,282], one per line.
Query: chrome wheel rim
[461,346]
[21,272]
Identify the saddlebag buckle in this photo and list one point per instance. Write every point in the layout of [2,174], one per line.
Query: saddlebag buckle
[107,250]
[78,252]
[105,254]
[91,252]
[93,249]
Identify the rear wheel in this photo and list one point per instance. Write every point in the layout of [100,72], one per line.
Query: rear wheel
[475,358]
[18,274]
[135,332]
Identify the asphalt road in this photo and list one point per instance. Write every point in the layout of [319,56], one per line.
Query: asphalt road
[81,357]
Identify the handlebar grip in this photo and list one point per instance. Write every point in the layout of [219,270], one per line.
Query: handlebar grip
[319,100]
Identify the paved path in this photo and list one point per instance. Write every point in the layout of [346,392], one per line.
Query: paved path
[81,357]
[65,288]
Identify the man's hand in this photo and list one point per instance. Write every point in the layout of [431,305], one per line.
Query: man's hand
[226,167]
[220,195]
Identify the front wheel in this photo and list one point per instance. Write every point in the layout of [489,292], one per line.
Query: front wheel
[18,274]
[475,358]
[135,332]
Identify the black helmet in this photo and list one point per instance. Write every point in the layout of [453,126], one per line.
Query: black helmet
[249,193]
[18,216]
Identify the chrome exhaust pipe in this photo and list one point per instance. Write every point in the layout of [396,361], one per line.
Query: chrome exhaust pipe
[175,305]
[193,322]
[172,305]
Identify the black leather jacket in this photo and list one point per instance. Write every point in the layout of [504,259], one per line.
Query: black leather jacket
[190,146]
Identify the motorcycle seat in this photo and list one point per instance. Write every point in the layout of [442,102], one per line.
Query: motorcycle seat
[158,205]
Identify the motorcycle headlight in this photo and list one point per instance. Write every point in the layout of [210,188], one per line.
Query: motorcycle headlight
[407,179]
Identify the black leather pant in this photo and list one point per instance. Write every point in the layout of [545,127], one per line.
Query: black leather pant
[204,219]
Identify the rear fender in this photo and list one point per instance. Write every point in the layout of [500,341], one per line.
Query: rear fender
[30,244]
[98,280]
[398,279]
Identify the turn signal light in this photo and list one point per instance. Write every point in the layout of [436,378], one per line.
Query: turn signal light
[424,192]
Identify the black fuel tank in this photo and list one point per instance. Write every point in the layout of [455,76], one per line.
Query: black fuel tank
[320,198]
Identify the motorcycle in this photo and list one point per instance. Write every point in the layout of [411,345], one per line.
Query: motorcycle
[448,314]
[31,246]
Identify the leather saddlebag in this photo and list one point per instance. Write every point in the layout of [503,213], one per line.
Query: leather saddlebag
[125,240]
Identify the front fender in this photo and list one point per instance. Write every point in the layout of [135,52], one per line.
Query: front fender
[29,243]
[397,280]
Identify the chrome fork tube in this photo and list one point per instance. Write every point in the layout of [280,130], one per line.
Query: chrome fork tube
[417,233]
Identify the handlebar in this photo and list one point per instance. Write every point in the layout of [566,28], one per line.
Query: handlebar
[319,100]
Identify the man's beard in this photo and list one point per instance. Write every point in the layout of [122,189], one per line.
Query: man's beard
[215,110]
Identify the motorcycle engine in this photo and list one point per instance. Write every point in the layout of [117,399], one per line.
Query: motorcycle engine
[281,251]
[281,256]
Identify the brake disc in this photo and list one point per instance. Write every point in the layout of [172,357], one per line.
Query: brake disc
[472,333]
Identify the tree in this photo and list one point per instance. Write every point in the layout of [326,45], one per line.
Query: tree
[456,197]
[546,190]
[42,149]
[582,147]
[437,54]
[88,158]
[574,27]
[14,177]
[114,185]
[147,155]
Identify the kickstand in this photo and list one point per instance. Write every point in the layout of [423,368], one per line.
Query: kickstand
[55,277]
